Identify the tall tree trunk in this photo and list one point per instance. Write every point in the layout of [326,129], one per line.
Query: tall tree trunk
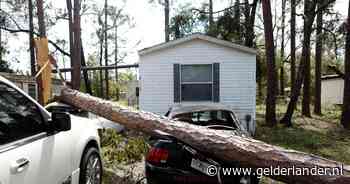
[282,48]
[31,38]
[309,9]
[249,40]
[0,37]
[85,72]
[166,19]
[211,18]
[116,58]
[292,43]
[318,63]
[76,78]
[101,64]
[42,33]
[345,119]
[71,38]
[41,18]
[305,108]
[270,116]
[106,49]
[237,19]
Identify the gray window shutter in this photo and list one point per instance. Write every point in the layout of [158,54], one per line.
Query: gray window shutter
[177,86]
[216,82]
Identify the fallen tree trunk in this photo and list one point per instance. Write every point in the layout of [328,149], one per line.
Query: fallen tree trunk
[247,151]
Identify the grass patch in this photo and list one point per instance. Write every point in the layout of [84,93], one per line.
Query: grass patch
[321,136]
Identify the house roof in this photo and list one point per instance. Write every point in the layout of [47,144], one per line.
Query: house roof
[335,76]
[197,36]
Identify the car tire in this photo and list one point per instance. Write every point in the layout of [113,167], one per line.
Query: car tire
[91,167]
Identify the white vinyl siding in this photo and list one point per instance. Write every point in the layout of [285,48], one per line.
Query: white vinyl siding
[237,75]
[332,92]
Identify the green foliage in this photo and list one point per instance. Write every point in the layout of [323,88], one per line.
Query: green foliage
[330,144]
[186,22]
[118,149]
[4,65]
[228,26]
[189,20]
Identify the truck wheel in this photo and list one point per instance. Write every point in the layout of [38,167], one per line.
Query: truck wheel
[91,167]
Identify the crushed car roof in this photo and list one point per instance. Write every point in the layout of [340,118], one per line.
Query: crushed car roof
[181,109]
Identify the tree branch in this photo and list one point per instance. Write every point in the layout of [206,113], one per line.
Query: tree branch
[37,34]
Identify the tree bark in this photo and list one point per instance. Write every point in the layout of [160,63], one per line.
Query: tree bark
[282,48]
[228,147]
[101,64]
[71,32]
[237,19]
[1,49]
[270,115]
[249,42]
[305,108]
[42,34]
[85,73]
[211,18]
[106,49]
[292,44]
[116,58]
[76,77]
[166,20]
[41,18]
[31,38]
[318,63]
[309,11]
[345,119]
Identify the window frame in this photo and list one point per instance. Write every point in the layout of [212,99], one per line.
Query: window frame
[29,86]
[211,83]
[29,139]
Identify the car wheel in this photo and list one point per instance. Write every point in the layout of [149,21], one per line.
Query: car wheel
[91,167]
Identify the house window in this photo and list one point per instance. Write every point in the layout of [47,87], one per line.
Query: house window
[197,82]
[32,90]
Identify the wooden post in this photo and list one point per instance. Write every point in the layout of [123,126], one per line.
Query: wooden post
[42,32]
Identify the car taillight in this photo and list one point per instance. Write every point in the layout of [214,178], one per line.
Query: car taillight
[157,155]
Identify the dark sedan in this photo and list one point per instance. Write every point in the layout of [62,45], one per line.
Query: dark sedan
[171,161]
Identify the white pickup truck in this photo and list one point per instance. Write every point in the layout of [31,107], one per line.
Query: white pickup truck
[37,147]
